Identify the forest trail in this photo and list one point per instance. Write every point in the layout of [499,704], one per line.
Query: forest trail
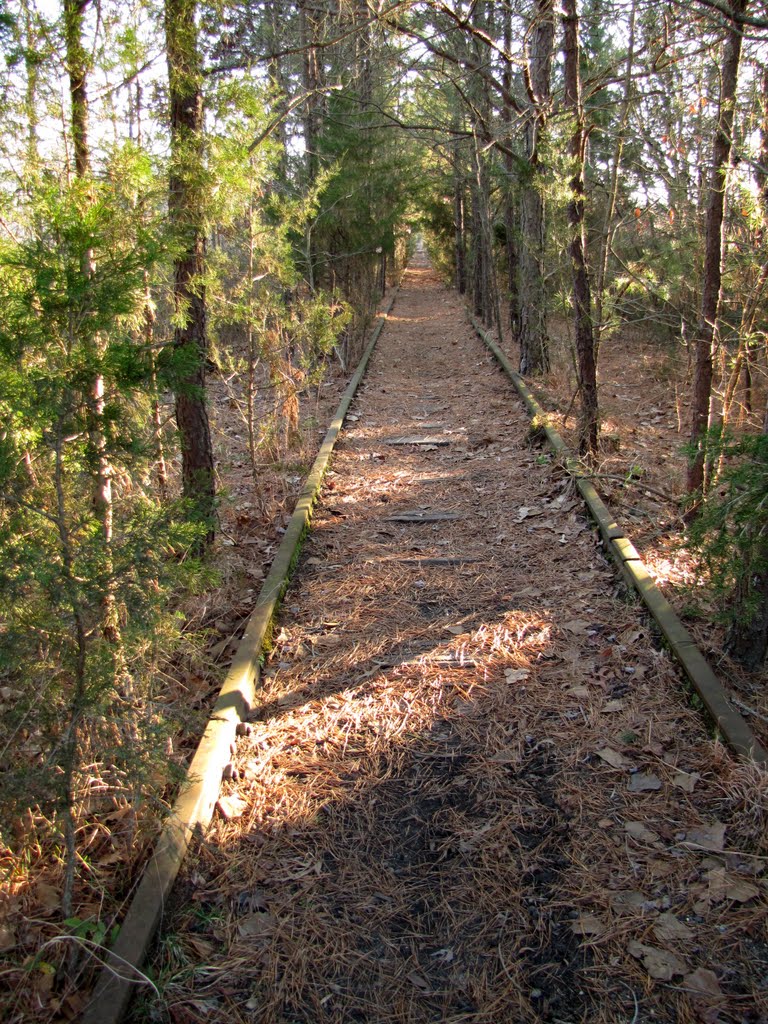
[475,791]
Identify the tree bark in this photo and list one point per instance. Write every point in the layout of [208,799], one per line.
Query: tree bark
[78,68]
[534,343]
[460,253]
[312,75]
[613,188]
[77,71]
[510,230]
[185,207]
[714,247]
[478,268]
[581,296]
[32,35]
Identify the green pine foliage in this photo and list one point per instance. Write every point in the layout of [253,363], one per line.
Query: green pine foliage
[731,536]
[74,695]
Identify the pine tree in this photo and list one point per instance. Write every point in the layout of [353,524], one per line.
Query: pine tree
[186,207]
[581,297]
[713,253]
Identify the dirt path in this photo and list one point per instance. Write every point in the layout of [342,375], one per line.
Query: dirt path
[476,791]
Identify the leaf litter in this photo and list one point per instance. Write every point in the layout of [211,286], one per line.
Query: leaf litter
[434,842]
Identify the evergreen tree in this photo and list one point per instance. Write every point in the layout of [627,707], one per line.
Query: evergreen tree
[186,208]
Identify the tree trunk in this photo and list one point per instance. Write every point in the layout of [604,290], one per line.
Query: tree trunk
[510,245]
[613,188]
[460,254]
[312,83]
[490,313]
[77,69]
[510,231]
[31,38]
[478,270]
[70,759]
[185,207]
[585,341]
[534,343]
[714,246]
[361,17]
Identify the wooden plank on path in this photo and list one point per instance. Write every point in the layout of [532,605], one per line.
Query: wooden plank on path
[458,560]
[438,442]
[423,517]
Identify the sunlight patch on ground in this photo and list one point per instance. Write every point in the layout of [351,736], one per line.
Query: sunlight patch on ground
[676,569]
[320,726]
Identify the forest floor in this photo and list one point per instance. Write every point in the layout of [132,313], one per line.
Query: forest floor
[645,386]
[475,789]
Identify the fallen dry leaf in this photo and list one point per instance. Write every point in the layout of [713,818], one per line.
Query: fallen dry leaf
[628,899]
[740,891]
[43,980]
[685,781]
[230,807]
[614,758]
[116,857]
[256,925]
[704,989]
[725,886]
[202,947]
[588,924]
[642,783]
[708,1014]
[579,627]
[74,1004]
[515,675]
[637,830]
[710,837]
[546,524]
[48,896]
[660,868]
[667,928]
[506,756]
[702,982]
[578,691]
[445,955]
[629,636]
[659,963]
